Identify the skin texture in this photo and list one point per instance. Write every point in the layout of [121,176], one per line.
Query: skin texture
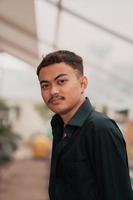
[62,89]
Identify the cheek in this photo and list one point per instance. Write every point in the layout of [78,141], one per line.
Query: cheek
[74,90]
[44,96]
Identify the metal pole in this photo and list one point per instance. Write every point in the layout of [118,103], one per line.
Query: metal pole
[56,36]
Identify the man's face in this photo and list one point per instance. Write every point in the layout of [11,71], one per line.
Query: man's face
[62,87]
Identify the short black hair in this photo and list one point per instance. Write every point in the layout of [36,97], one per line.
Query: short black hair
[68,57]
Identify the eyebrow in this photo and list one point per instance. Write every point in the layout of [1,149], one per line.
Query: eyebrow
[60,75]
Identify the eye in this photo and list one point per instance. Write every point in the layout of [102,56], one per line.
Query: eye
[44,86]
[62,81]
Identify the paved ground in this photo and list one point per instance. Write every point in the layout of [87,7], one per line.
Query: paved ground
[25,179]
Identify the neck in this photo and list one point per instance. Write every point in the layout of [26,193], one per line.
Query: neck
[68,115]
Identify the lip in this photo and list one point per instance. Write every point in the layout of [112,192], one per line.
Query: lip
[55,101]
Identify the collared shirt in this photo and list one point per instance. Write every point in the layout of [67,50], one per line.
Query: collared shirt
[91,162]
[79,118]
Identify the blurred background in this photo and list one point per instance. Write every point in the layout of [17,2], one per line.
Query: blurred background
[99,31]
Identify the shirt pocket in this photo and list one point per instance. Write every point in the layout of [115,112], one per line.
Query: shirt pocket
[77,170]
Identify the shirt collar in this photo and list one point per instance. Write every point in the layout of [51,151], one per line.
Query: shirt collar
[80,116]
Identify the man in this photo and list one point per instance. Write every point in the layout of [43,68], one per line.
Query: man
[89,159]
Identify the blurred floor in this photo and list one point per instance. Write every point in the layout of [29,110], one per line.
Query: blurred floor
[131,171]
[25,179]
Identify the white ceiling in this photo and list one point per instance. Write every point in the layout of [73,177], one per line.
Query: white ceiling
[18,29]
[100,31]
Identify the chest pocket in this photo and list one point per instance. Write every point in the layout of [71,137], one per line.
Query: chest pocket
[77,170]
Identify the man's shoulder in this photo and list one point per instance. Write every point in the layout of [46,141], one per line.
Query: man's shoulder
[100,120]
[99,125]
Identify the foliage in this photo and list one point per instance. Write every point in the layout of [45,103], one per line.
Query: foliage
[3,105]
[8,139]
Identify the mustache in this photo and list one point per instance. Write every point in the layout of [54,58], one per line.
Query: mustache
[55,97]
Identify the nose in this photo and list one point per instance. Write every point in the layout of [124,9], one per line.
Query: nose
[54,90]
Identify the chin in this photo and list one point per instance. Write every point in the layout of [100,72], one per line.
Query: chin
[58,111]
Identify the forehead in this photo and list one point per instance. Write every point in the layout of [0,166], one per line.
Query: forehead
[52,71]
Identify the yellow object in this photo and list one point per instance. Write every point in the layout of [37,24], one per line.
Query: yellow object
[41,146]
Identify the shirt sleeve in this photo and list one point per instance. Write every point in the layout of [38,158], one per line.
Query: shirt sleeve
[111,165]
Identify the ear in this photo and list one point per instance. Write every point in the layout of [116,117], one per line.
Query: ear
[83,82]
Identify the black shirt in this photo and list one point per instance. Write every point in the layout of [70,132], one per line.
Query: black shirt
[90,163]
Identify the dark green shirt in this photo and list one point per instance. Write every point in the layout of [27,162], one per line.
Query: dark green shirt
[90,163]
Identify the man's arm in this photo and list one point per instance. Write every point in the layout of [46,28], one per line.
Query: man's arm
[111,165]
